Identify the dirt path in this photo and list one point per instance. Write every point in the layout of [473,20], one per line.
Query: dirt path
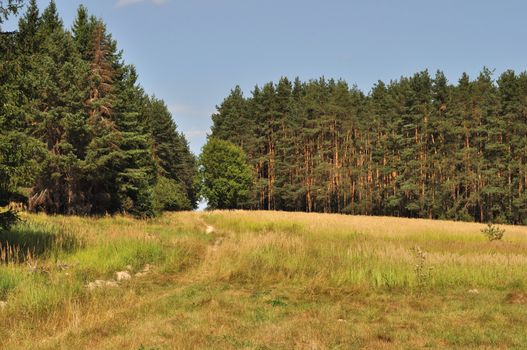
[139,315]
[212,254]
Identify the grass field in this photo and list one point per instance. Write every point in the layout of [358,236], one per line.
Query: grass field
[261,280]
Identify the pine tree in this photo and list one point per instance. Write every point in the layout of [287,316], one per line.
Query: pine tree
[137,172]
[231,120]
[28,38]
[119,157]
[416,147]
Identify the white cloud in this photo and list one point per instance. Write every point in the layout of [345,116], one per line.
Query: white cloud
[194,121]
[123,3]
[183,110]
[196,133]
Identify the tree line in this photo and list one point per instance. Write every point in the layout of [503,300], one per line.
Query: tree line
[78,135]
[418,146]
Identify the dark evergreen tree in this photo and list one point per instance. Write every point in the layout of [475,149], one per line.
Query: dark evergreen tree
[176,165]
[234,122]
[83,29]
[58,119]
[74,124]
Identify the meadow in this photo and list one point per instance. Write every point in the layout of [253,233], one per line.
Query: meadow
[260,280]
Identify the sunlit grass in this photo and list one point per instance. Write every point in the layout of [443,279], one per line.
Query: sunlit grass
[367,251]
[263,280]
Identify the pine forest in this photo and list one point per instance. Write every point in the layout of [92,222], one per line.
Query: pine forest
[418,146]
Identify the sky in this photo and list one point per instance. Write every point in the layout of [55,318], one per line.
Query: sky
[191,53]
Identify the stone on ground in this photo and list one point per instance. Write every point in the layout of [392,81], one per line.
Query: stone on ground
[123,276]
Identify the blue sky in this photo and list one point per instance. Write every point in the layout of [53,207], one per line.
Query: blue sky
[192,52]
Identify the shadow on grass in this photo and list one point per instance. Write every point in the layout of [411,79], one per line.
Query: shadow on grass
[26,241]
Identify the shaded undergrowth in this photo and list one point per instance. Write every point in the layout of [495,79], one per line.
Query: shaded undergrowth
[46,262]
[27,241]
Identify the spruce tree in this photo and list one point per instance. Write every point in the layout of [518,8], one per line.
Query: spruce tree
[83,28]
[73,123]
[176,165]
[59,121]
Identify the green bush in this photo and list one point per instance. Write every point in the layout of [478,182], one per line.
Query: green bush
[170,195]
[493,233]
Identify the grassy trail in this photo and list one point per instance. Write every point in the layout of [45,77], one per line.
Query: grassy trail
[236,280]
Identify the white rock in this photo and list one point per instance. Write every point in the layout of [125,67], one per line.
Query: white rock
[210,229]
[473,291]
[101,284]
[3,305]
[94,285]
[122,276]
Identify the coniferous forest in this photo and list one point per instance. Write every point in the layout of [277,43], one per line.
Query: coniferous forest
[415,147]
[78,134]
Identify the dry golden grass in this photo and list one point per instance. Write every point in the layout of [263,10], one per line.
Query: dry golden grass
[268,280]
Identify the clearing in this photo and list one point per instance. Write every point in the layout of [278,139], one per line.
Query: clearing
[260,280]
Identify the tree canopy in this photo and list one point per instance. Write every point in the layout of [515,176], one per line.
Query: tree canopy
[226,175]
[78,133]
[414,147]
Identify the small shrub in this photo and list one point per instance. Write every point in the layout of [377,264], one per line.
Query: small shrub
[142,347]
[493,233]
[8,219]
[278,302]
[170,195]
[422,271]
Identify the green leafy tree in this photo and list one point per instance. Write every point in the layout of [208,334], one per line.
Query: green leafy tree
[226,176]
[169,195]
